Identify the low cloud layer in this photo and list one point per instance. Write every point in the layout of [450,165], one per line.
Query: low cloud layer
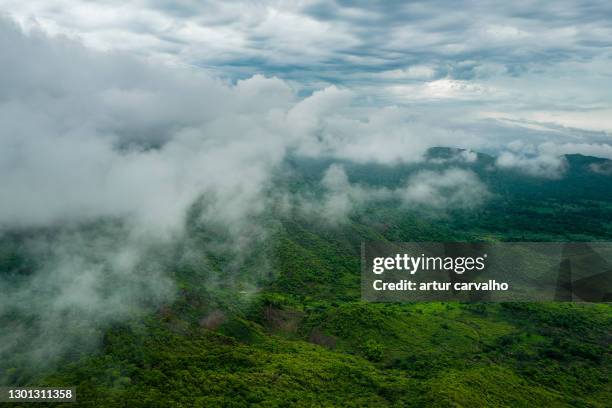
[542,165]
[449,189]
[88,134]
[434,192]
[84,280]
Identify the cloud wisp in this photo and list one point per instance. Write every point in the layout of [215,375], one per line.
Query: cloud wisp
[431,192]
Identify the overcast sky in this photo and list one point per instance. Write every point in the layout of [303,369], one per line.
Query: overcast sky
[537,61]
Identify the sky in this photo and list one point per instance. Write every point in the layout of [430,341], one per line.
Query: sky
[537,63]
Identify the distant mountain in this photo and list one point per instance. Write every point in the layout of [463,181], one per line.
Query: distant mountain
[584,177]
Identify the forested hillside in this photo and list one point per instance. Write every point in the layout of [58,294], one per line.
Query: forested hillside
[285,326]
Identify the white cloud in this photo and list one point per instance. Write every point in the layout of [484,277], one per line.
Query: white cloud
[541,165]
[431,191]
[452,188]
[444,89]
[504,33]
[547,159]
[592,119]
[422,72]
[601,168]
[602,150]
[461,156]
[341,197]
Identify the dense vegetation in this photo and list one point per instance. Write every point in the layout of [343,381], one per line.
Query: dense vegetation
[305,338]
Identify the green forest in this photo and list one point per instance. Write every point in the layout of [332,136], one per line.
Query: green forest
[286,325]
